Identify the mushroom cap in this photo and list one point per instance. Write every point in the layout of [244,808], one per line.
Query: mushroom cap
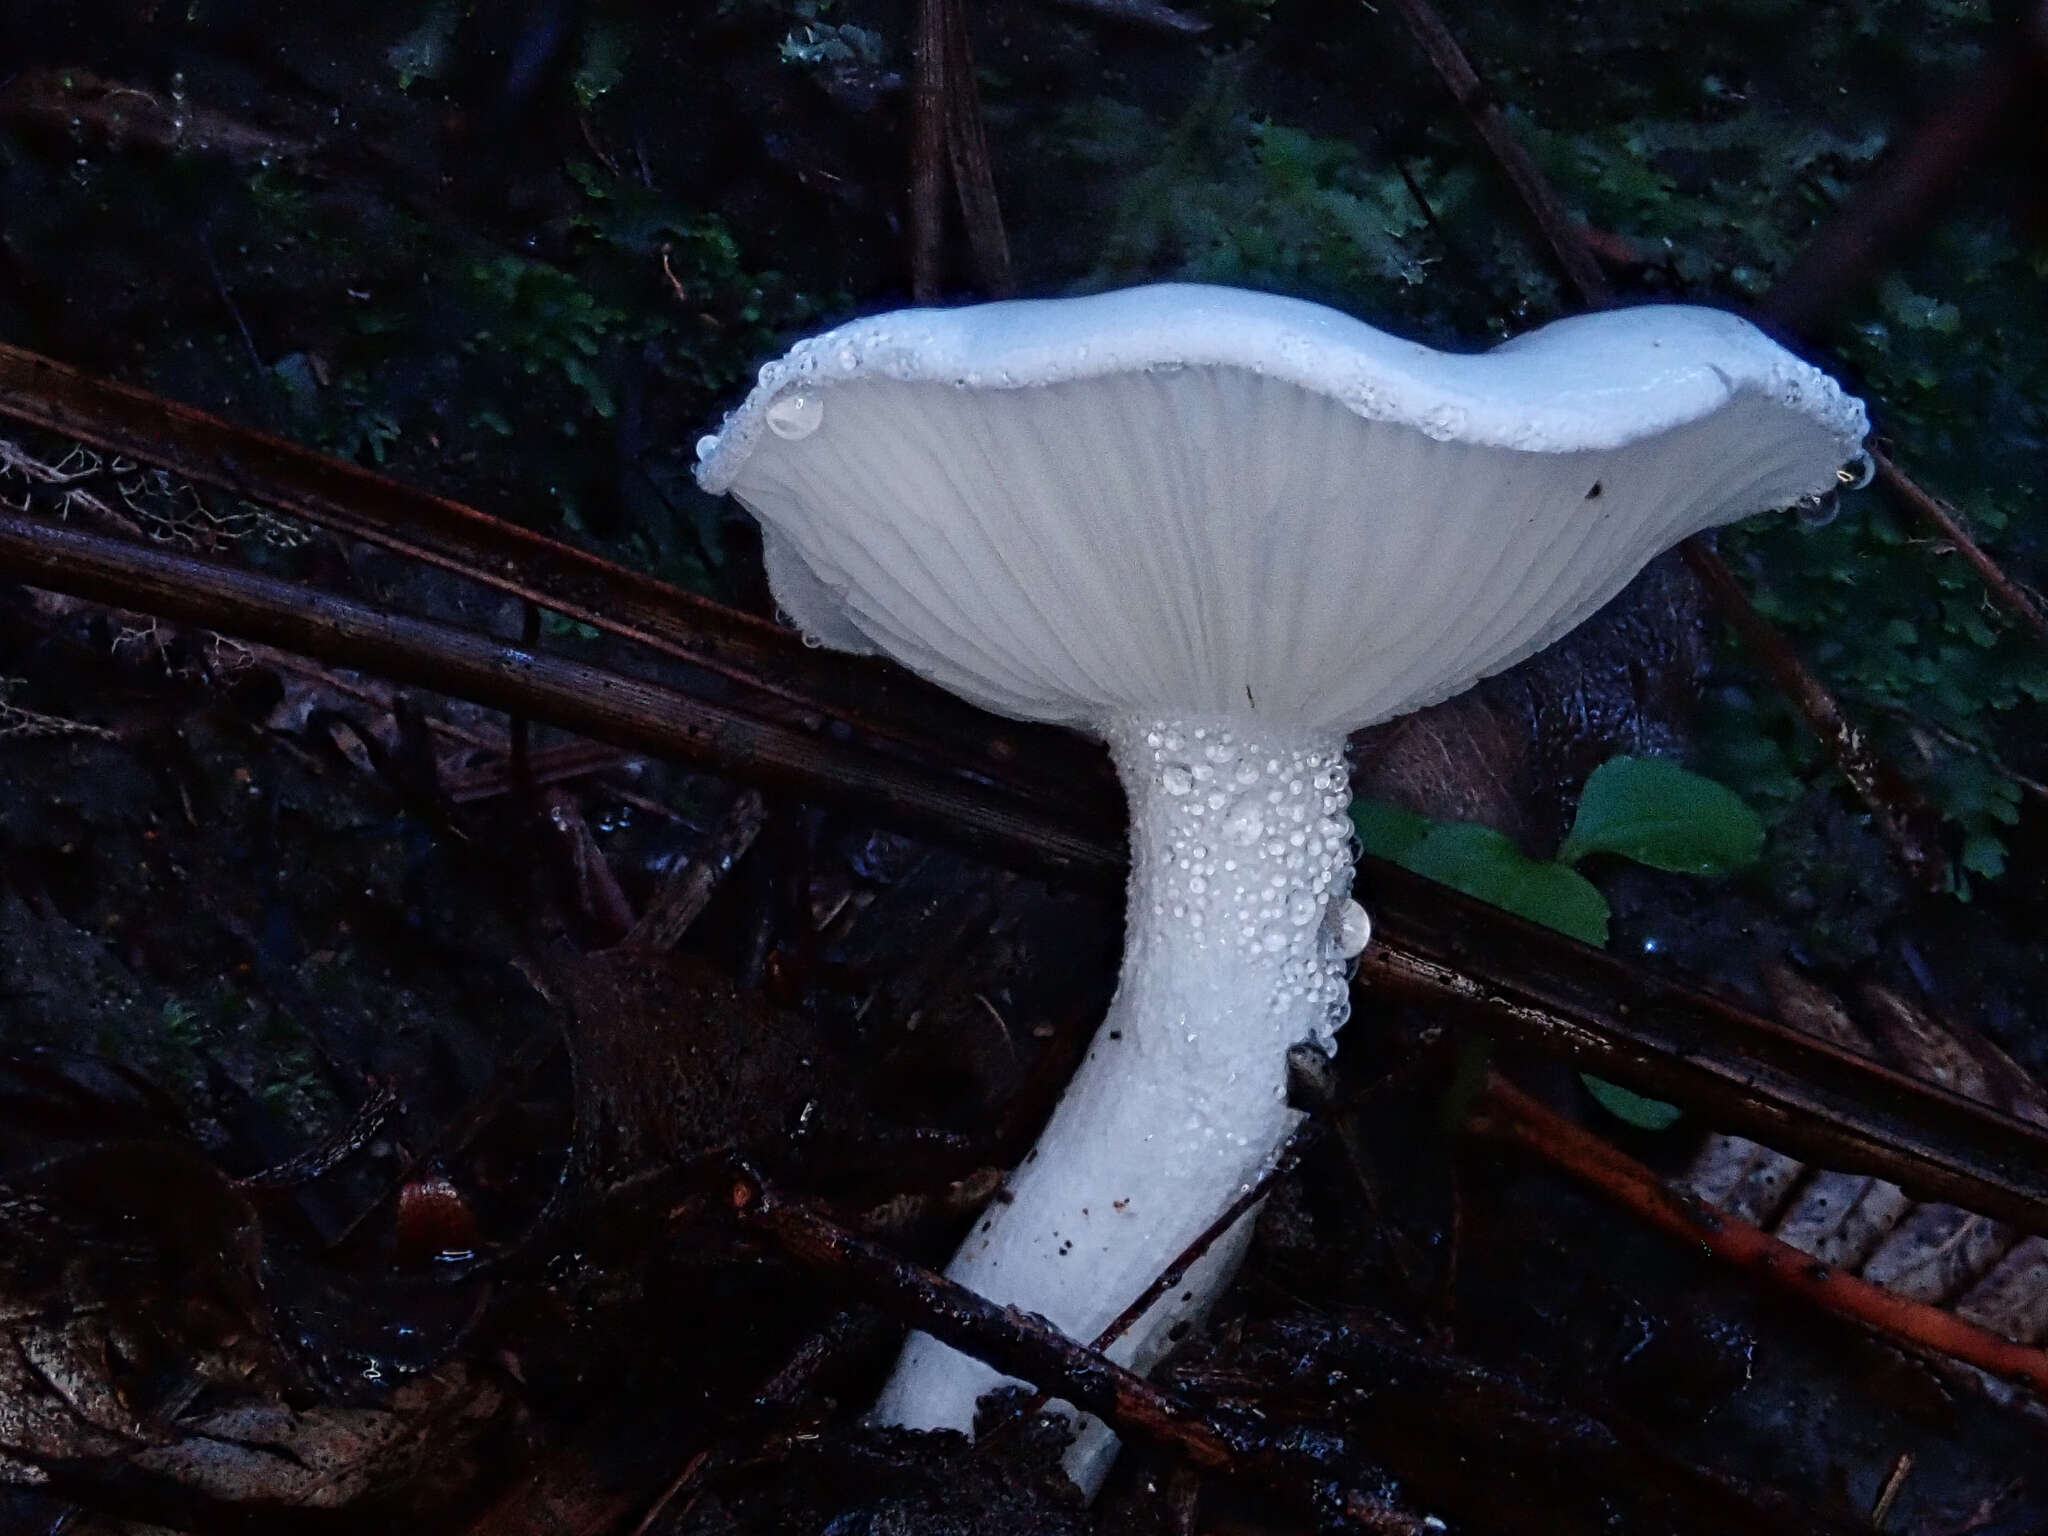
[1187,500]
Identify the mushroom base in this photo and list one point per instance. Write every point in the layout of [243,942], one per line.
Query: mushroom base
[1240,872]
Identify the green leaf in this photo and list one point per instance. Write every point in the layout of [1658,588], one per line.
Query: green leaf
[1481,862]
[1657,813]
[1644,1114]
[1387,831]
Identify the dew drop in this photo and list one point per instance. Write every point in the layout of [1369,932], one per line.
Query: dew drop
[796,415]
[1175,779]
[1354,931]
[1817,511]
[1301,908]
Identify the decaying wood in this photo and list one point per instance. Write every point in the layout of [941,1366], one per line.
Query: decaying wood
[1433,947]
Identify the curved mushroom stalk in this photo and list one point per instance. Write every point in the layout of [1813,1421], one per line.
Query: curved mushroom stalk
[1235,948]
[1226,529]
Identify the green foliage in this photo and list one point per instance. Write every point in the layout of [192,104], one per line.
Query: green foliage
[1645,1114]
[1647,810]
[1654,812]
[545,319]
[1481,862]
[1226,196]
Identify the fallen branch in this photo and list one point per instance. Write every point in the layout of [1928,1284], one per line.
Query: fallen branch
[1434,947]
[686,890]
[609,706]
[947,132]
[1505,1112]
[782,678]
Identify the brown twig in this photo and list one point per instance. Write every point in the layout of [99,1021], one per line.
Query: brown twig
[947,132]
[1481,106]
[928,153]
[1207,1238]
[1025,1346]
[1504,1111]
[1434,947]
[1015,1343]
[370,1118]
[1939,513]
[1910,825]
[580,697]
[973,176]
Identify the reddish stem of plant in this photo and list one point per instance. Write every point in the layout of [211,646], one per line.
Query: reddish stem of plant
[1505,1112]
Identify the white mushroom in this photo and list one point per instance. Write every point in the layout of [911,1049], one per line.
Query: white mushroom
[1222,530]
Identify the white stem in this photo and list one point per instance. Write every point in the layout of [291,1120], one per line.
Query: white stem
[1240,873]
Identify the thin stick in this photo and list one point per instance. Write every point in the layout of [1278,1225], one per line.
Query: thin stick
[1504,1111]
[1908,823]
[625,711]
[1022,1345]
[1482,108]
[686,891]
[1939,513]
[784,678]
[1015,1343]
[928,152]
[1207,1238]
[967,142]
